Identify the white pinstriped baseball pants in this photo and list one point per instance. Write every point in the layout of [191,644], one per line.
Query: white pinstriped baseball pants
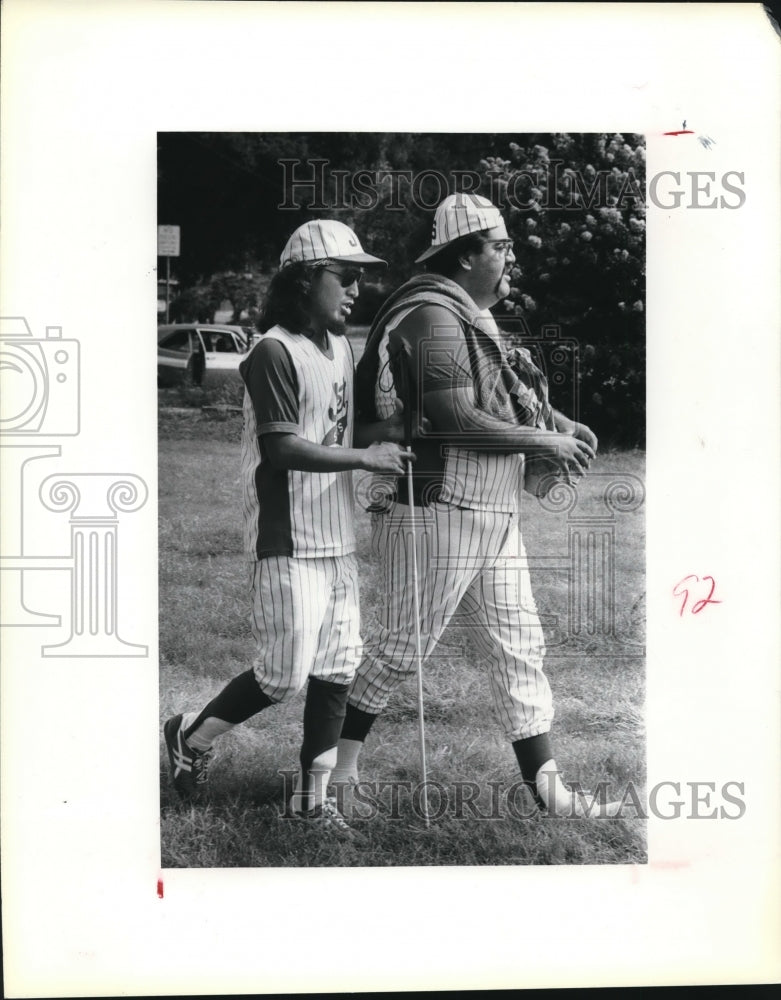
[472,561]
[306,622]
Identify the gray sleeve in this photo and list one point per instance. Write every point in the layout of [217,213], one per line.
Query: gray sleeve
[272,385]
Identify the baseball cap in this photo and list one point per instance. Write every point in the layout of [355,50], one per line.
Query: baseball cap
[325,239]
[459,215]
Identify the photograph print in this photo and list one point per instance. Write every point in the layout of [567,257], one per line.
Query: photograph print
[401,446]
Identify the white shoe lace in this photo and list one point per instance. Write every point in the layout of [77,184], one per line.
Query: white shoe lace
[201,766]
[330,813]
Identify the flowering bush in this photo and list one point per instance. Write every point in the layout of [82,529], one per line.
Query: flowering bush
[583,198]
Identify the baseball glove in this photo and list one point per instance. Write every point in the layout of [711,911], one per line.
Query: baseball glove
[540,475]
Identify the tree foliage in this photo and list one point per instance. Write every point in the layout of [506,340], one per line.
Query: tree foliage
[575,207]
[201,300]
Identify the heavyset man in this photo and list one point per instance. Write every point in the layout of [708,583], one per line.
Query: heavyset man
[296,462]
[436,346]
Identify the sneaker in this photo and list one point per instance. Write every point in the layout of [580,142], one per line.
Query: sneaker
[327,819]
[189,768]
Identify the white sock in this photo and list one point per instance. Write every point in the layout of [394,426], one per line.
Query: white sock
[206,733]
[346,769]
[560,801]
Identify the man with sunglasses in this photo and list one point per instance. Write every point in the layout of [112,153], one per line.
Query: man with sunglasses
[436,346]
[296,469]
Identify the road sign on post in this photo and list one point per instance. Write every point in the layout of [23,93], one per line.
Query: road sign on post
[168,241]
[168,247]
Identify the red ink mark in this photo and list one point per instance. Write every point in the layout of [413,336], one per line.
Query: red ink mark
[159,888]
[698,606]
[683,131]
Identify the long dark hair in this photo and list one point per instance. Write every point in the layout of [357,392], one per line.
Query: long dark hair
[288,297]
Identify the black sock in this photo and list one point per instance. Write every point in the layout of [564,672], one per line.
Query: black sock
[323,717]
[357,724]
[238,701]
[532,753]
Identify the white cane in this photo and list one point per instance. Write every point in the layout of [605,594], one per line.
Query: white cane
[418,652]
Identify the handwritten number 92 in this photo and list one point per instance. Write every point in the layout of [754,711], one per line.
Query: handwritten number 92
[682,591]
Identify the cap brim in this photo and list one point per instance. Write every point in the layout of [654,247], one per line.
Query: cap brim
[431,251]
[361,258]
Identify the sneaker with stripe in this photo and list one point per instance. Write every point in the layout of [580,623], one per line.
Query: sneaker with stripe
[189,768]
[327,820]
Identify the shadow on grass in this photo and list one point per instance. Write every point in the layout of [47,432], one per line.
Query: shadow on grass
[243,824]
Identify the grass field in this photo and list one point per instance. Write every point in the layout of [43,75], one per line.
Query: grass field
[205,640]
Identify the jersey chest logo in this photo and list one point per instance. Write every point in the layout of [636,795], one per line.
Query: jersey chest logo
[337,412]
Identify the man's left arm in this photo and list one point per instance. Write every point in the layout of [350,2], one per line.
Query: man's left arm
[576,430]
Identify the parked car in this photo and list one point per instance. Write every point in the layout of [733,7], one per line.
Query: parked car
[200,353]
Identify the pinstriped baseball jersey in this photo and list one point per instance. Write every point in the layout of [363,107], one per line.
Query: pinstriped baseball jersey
[464,477]
[293,387]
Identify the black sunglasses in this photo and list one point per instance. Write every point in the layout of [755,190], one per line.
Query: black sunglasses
[347,278]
